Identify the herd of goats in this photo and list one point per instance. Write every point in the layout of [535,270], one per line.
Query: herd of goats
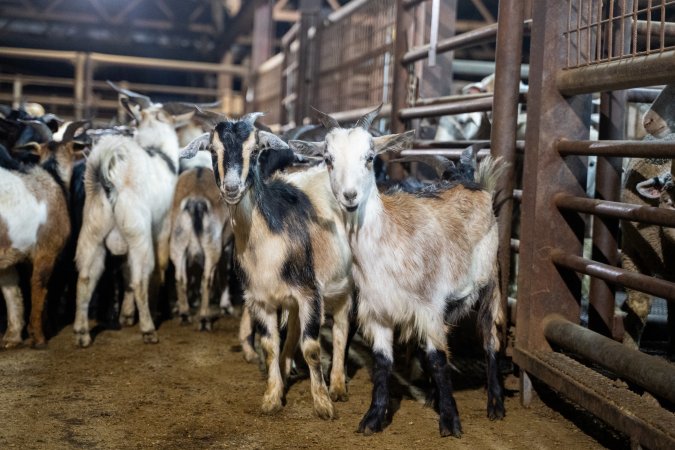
[311,230]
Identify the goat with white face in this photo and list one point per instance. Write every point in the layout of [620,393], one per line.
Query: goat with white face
[293,252]
[34,226]
[129,183]
[392,237]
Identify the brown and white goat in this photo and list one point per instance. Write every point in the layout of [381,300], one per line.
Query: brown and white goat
[293,254]
[649,249]
[200,229]
[129,185]
[392,237]
[34,227]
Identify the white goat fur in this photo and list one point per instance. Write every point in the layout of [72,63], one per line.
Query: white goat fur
[130,219]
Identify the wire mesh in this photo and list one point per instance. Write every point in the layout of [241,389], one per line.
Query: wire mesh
[356,58]
[600,31]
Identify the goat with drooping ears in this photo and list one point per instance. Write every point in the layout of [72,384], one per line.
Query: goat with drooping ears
[34,224]
[292,250]
[391,237]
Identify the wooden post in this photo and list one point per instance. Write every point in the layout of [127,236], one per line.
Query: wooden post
[310,11]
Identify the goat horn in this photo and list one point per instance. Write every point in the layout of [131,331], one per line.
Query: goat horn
[252,117]
[327,121]
[40,128]
[142,100]
[365,121]
[69,134]
[437,162]
[468,156]
[176,108]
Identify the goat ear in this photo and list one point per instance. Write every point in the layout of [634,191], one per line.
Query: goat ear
[181,120]
[271,162]
[308,148]
[393,142]
[199,143]
[271,140]
[652,188]
[30,147]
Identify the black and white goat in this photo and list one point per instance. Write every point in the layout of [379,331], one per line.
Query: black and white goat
[391,237]
[293,252]
[129,184]
[34,225]
[200,230]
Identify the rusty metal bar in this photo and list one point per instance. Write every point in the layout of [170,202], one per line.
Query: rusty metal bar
[156,63]
[639,71]
[651,372]
[473,37]
[617,210]
[644,421]
[449,99]
[633,280]
[458,107]
[449,153]
[633,149]
[508,57]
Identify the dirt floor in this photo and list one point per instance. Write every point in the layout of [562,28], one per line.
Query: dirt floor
[193,390]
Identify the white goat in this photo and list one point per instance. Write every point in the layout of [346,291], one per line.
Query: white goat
[200,229]
[34,226]
[293,252]
[393,237]
[129,186]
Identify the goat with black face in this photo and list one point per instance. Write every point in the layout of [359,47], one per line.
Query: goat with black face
[292,249]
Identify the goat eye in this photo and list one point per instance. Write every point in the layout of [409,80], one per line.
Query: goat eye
[328,160]
[370,159]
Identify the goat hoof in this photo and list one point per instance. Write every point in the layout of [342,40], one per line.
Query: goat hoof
[339,395]
[324,409]
[251,357]
[496,411]
[205,324]
[228,311]
[8,345]
[38,345]
[150,337]
[82,340]
[270,406]
[185,319]
[127,321]
[450,427]
[372,422]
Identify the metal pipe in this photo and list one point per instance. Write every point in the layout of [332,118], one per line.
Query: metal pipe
[652,373]
[459,107]
[647,70]
[633,280]
[616,210]
[34,53]
[469,38]
[504,126]
[156,63]
[448,153]
[632,149]
[642,95]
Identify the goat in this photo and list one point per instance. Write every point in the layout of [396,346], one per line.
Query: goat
[129,185]
[34,225]
[646,248]
[391,237]
[200,229]
[292,251]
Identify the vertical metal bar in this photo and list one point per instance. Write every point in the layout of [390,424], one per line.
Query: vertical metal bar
[662,38]
[634,35]
[508,57]
[542,288]
[608,187]
[88,94]
[399,94]
[433,35]
[649,26]
[17,92]
[309,17]
[623,28]
[79,85]
[578,31]
[589,21]
[610,31]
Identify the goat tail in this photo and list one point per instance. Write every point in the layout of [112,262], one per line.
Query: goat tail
[197,208]
[489,171]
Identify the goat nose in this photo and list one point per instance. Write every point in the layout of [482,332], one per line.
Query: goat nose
[231,188]
[349,195]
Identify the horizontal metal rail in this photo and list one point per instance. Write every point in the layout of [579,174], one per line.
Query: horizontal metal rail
[631,149]
[457,107]
[449,99]
[480,35]
[651,372]
[448,153]
[648,70]
[429,144]
[633,280]
[616,210]
[643,420]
